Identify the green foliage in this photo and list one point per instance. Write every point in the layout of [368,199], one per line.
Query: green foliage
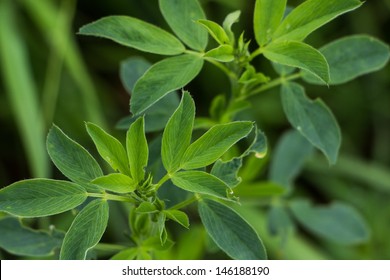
[231,232]
[134,33]
[137,150]
[109,148]
[177,134]
[300,55]
[312,119]
[71,159]
[181,15]
[22,91]
[311,15]
[40,197]
[351,57]
[337,222]
[162,78]
[214,143]
[200,182]
[86,230]
[23,241]
[158,176]
[267,17]
[289,156]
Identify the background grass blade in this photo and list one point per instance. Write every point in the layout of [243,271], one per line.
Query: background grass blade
[44,15]
[21,90]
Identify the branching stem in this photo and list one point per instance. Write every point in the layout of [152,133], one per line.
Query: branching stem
[185,203]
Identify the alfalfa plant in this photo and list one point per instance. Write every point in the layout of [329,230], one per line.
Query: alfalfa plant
[206,168]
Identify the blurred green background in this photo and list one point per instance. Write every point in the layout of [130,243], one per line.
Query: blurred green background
[49,74]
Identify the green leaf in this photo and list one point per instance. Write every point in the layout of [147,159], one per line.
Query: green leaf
[259,190]
[40,197]
[259,145]
[289,155]
[70,158]
[215,30]
[311,15]
[116,182]
[134,33]
[228,171]
[231,232]
[181,16]
[351,57]
[137,150]
[157,116]
[300,55]
[337,222]
[163,77]
[177,133]
[146,207]
[214,143]
[131,69]
[279,221]
[267,17]
[178,216]
[154,244]
[312,119]
[110,149]
[228,22]
[22,241]
[126,254]
[223,53]
[200,182]
[162,231]
[251,78]
[86,231]
[283,70]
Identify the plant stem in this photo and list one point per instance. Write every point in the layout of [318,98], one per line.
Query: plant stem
[184,203]
[257,52]
[109,247]
[272,84]
[162,181]
[109,196]
[226,70]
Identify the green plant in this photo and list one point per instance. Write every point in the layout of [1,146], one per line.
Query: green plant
[210,168]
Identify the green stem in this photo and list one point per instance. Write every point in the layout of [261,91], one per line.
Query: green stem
[109,196]
[272,84]
[162,181]
[257,52]
[222,67]
[109,247]
[185,203]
